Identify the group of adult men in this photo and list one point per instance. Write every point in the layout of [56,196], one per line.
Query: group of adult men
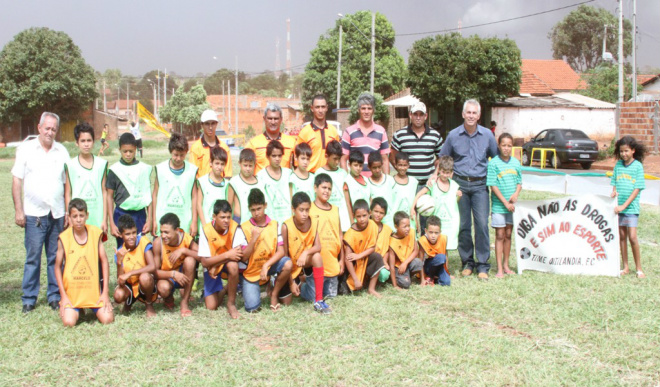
[39,164]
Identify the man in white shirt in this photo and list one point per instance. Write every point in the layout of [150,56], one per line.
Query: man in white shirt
[39,172]
[135,129]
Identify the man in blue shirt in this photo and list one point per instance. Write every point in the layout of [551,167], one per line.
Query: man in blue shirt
[470,145]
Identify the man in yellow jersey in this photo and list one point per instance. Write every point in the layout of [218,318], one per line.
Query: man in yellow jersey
[318,133]
[273,121]
[200,152]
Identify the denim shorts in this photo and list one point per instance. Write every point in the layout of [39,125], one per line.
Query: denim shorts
[308,289]
[628,220]
[252,290]
[501,220]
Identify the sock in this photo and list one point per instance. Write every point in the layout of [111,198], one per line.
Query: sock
[318,283]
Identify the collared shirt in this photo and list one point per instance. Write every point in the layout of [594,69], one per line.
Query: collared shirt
[421,150]
[43,177]
[470,152]
[366,142]
[259,143]
[317,139]
[200,155]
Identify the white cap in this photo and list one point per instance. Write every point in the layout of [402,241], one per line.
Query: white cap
[209,115]
[418,107]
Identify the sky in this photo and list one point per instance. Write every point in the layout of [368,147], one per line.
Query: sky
[202,36]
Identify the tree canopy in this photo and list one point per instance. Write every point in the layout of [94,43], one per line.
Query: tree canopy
[43,70]
[321,71]
[213,83]
[603,83]
[578,38]
[446,70]
[185,107]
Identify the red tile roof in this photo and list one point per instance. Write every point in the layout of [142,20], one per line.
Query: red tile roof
[644,79]
[533,85]
[556,74]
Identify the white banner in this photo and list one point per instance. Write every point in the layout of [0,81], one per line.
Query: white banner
[571,235]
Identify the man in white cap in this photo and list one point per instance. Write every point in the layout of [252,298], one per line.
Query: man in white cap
[200,152]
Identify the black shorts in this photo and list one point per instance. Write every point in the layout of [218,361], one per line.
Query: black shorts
[139,143]
[140,296]
[103,141]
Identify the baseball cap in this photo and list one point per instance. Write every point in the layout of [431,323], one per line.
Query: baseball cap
[418,107]
[209,115]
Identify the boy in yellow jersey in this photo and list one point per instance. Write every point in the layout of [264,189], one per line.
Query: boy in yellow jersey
[221,245]
[129,188]
[275,180]
[403,252]
[380,185]
[356,186]
[241,185]
[174,187]
[135,268]
[80,255]
[211,187]
[263,256]
[302,244]
[85,178]
[378,213]
[301,179]
[331,236]
[433,252]
[175,254]
[333,154]
[104,141]
[363,263]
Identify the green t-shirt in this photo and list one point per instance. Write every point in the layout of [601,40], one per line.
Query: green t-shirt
[627,178]
[277,195]
[136,179]
[385,191]
[175,193]
[446,208]
[242,190]
[505,175]
[358,191]
[403,196]
[302,185]
[86,184]
[211,192]
[337,195]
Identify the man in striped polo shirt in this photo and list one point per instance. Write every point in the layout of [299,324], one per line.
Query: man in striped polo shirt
[421,143]
[365,135]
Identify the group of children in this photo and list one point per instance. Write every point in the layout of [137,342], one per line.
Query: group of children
[299,233]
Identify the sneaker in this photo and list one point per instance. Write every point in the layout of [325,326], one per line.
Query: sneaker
[322,307]
[483,276]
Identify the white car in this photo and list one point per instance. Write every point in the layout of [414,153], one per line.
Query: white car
[17,143]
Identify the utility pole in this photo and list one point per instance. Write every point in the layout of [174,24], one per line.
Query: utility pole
[634,52]
[223,104]
[620,51]
[105,103]
[373,49]
[165,86]
[341,30]
[229,104]
[127,108]
[236,91]
[117,102]
[158,81]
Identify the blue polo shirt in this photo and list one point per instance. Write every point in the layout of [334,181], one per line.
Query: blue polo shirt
[470,152]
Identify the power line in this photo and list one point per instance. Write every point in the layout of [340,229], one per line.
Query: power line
[496,22]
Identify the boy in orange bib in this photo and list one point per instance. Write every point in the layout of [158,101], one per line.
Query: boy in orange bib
[433,252]
[135,268]
[378,213]
[175,254]
[403,252]
[362,262]
[80,255]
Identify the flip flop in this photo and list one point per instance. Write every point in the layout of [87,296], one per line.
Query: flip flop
[499,275]
[624,272]
[276,307]
[186,313]
[640,274]
[509,271]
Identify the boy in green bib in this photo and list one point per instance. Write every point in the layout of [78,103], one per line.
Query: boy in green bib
[356,186]
[404,188]
[302,180]
[85,178]
[174,188]
[129,189]
[241,185]
[275,180]
[211,187]
[333,154]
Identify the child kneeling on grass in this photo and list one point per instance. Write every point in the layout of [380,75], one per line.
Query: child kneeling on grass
[433,252]
[80,255]
[403,253]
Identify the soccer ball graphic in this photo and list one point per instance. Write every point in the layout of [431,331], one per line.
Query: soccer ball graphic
[525,253]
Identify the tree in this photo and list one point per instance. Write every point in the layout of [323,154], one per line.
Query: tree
[213,83]
[42,69]
[578,38]
[603,83]
[185,108]
[381,113]
[144,89]
[446,70]
[321,71]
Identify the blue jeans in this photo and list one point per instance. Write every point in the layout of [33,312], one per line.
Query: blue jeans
[39,232]
[308,289]
[435,267]
[252,290]
[422,219]
[475,204]
[139,216]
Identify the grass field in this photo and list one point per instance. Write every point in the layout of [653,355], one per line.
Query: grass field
[536,329]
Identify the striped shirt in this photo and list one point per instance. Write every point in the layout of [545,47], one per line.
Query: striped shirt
[506,176]
[626,179]
[375,140]
[421,150]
